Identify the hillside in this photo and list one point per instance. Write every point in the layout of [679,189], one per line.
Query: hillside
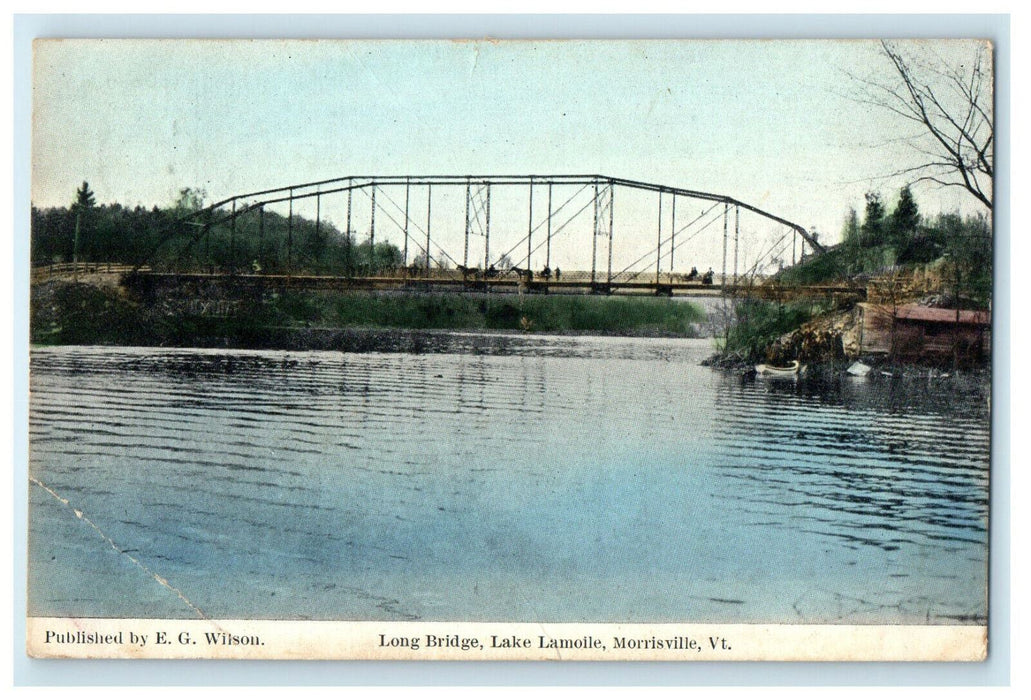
[896,260]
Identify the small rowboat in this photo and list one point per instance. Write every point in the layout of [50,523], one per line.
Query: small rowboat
[790,371]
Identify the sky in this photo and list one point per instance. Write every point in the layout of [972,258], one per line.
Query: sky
[775,124]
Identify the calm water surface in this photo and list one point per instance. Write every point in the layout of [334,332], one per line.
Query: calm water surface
[498,478]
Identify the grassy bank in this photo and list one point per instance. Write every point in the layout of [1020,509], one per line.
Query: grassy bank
[75,314]
[757,324]
[552,314]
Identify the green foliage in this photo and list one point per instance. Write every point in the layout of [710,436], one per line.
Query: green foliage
[968,245]
[850,230]
[833,264]
[839,264]
[84,199]
[552,313]
[66,313]
[616,315]
[873,229]
[190,200]
[254,240]
[904,238]
[958,249]
[905,219]
[924,245]
[85,315]
[109,233]
[757,324]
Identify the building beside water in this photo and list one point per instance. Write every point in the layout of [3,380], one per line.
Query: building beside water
[912,332]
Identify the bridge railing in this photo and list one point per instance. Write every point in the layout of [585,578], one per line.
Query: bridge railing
[43,272]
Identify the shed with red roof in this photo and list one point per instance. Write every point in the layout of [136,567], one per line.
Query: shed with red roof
[918,333]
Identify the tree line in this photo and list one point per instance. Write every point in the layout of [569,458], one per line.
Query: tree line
[259,241]
[903,237]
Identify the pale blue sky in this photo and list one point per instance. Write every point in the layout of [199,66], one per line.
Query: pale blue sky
[767,122]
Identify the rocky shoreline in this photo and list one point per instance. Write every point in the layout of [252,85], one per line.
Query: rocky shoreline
[829,346]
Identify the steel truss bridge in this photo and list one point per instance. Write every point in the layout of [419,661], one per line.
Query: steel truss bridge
[517,232]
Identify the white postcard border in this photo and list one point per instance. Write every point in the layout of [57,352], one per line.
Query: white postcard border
[498,641]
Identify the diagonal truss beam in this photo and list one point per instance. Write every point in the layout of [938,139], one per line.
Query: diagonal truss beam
[199,222]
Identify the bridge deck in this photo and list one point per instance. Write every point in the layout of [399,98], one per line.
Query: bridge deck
[507,284]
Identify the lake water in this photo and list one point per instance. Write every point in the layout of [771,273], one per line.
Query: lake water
[498,478]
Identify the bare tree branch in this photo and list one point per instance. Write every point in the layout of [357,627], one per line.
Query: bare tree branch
[952,103]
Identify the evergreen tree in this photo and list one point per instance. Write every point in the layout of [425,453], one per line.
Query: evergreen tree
[84,201]
[873,223]
[190,199]
[905,218]
[850,230]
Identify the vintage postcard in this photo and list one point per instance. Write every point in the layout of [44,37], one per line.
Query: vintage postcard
[587,350]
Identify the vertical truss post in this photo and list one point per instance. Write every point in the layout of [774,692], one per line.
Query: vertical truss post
[547,259]
[794,239]
[408,192]
[673,236]
[372,235]
[75,246]
[232,242]
[350,192]
[658,247]
[594,236]
[347,233]
[468,197]
[429,203]
[612,198]
[726,213]
[318,220]
[529,230]
[290,235]
[486,243]
[207,243]
[261,235]
[737,231]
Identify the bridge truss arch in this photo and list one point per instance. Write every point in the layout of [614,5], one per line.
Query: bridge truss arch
[605,231]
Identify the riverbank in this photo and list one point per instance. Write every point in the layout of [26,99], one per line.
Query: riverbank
[829,344]
[67,313]
[886,337]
